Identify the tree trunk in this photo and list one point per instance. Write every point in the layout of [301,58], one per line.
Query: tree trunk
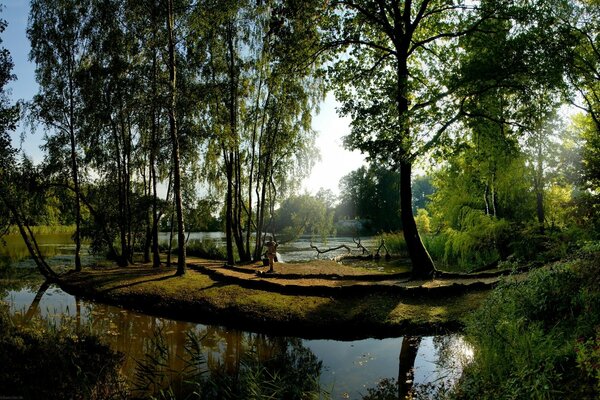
[29,240]
[421,260]
[122,257]
[74,170]
[175,143]
[539,187]
[229,208]
[153,177]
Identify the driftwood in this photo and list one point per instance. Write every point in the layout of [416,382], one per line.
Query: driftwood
[387,252]
[360,246]
[319,251]
[365,255]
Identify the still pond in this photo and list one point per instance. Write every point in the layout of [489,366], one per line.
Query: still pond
[345,369]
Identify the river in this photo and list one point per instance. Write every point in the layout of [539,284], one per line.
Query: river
[345,369]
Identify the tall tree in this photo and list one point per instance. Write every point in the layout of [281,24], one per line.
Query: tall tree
[19,206]
[260,93]
[181,259]
[55,30]
[584,71]
[391,80]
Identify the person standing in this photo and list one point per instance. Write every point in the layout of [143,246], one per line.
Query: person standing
[271,252]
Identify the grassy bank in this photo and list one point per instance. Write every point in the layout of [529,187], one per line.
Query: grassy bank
[197,297]
[538,338]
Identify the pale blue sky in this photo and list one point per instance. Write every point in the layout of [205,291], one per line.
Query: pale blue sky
[335,161]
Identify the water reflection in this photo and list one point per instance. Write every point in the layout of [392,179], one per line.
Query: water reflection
[57,248]
[233,361]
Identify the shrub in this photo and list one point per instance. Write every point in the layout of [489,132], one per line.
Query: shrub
[48,362]
[481,241]
[206,248]
[526,336]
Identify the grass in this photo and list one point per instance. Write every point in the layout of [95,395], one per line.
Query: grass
[538,338]
[198,297]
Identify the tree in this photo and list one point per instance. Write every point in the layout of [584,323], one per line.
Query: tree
[175,140]
[55,30]
[260,94]
[304,214]
[19,205]
[390,81]
[584,69]
[373,194]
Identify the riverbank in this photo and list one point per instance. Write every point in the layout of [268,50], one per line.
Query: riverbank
[200,296]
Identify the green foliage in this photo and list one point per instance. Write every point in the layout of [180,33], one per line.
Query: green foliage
[304,214]
[529,244]
[206,248]
[588,358]
[395,243]
[526,333]
[423,221]
[46,361]
[371,194]
[481,240]
[202,217]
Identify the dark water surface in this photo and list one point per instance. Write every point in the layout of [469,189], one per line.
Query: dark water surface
[348,367]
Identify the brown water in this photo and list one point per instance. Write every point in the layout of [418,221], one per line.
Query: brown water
[343,368]
[346,368]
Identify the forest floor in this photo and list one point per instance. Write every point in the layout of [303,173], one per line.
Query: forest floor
[329,301]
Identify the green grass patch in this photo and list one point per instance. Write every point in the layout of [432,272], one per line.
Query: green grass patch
[196,295]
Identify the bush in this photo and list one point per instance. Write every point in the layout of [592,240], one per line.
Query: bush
[527,335]
[481,241]
[46,362]
[206,248]
[394,242]
[551,245]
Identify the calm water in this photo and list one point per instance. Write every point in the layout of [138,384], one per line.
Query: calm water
[58,248]
[348,367]
[297,250]
[300,250]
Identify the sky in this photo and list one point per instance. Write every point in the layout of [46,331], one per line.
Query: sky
[334,163]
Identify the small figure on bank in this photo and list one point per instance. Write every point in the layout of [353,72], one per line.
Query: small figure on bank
[271,252]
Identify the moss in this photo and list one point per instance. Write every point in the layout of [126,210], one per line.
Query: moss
[198,297]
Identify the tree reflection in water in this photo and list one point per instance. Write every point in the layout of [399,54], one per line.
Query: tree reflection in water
[215,362]
[453,354]
[224,364]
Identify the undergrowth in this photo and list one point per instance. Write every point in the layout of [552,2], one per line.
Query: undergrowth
[205,248]
[538,338]
[45,361]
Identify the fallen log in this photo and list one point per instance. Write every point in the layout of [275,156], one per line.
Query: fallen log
[319,251]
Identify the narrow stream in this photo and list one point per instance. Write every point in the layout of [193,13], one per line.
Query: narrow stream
[344,369]
[348,368]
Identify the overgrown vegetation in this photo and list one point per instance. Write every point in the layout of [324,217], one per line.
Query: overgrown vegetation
[43,360]
[538,338]
[206,248]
